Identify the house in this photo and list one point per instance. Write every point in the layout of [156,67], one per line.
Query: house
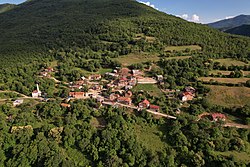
[49,69]
[144,104]
[111,74]
[128,94]
[113,97]
[132,81]
[45,74]
[136,72]
[65,105]
[17,102]
[154,108]
[81,82]
[124,100]
[124,72]
[36,93]
[218,116]
[186,96]
[122,82]
[95,77]
[159,78]
[190,89]
[77,95]
[97,87]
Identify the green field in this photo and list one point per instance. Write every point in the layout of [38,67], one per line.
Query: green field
[224,80]
[182,48]
[134,58]
[229,62]
[147,135]
[218,72]
[229,96]
[239,156]
[151,88]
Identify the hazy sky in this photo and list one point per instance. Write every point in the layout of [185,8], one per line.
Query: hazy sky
[203,11]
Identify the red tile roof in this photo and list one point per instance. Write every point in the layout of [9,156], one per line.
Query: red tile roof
[218,115]
[146,102]
[154,107]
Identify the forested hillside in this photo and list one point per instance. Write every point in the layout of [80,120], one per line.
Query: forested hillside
[241,30]
[36,27]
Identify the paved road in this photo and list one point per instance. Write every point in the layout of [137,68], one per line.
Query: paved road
[234,125]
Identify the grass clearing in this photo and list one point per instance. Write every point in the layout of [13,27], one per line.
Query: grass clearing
[229,96]
[218,72]
[178,58]
[224,80]
[148,136]
[228,62]
[183,48]
[134,58]
[151,88]
[239,156]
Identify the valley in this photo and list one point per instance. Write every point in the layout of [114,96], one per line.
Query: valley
[88,83]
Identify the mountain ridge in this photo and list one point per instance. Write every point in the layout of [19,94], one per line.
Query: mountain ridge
[227,24]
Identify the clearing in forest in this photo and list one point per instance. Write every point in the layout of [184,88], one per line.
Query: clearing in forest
[228,62]
[224,80]
[228,96]
[183,48]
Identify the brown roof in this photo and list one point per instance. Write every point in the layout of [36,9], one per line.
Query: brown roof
[128,99]
[145,102]
[65,105]
[76,93]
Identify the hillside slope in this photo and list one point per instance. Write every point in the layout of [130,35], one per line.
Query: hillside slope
[6,7]
[38,26]
[241,30]
[231,23]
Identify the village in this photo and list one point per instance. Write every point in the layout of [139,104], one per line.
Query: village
[116,89]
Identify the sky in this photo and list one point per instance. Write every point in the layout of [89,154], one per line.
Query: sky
[201,11]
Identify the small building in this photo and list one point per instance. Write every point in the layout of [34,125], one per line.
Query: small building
[65,105]
[95,77]
[154,108]
[128,94]
[144,104]
[136,72]
[77,95]
[124,100]
[49,69]
[218,116]
[17,102]
[81,82]
[113,97]
[111,74]
[45,74]
[36,93]
[124,72]
[159,78]
[190,89]
[186,96]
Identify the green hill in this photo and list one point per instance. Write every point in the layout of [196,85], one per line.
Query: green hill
[231,23]
[41,25]
[6,7]
[241,30]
